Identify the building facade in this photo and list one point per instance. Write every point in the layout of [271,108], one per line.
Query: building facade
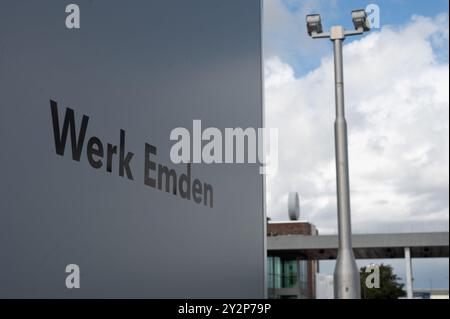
[291,276]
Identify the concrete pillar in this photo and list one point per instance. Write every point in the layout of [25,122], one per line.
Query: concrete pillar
[409,276]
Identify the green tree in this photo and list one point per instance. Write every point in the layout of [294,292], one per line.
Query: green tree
[389,285]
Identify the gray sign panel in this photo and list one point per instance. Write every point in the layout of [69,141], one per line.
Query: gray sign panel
[85,119]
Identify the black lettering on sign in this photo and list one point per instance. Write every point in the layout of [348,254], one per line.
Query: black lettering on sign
[156,176]
[94,148]
[61,137]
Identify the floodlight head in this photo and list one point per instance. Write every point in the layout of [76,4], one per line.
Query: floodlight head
[360,20]
[314,24]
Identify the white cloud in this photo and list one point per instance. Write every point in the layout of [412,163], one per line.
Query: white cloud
[397,102]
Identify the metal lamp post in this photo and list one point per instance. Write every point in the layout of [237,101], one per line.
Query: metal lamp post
[346,273]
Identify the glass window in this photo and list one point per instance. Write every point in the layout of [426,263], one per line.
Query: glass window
[290,277]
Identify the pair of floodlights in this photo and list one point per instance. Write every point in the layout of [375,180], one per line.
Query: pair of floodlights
[359,17]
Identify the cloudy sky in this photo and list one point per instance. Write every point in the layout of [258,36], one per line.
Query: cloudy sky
[397,103]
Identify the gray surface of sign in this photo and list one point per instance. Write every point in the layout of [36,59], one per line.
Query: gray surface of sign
[144,67]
